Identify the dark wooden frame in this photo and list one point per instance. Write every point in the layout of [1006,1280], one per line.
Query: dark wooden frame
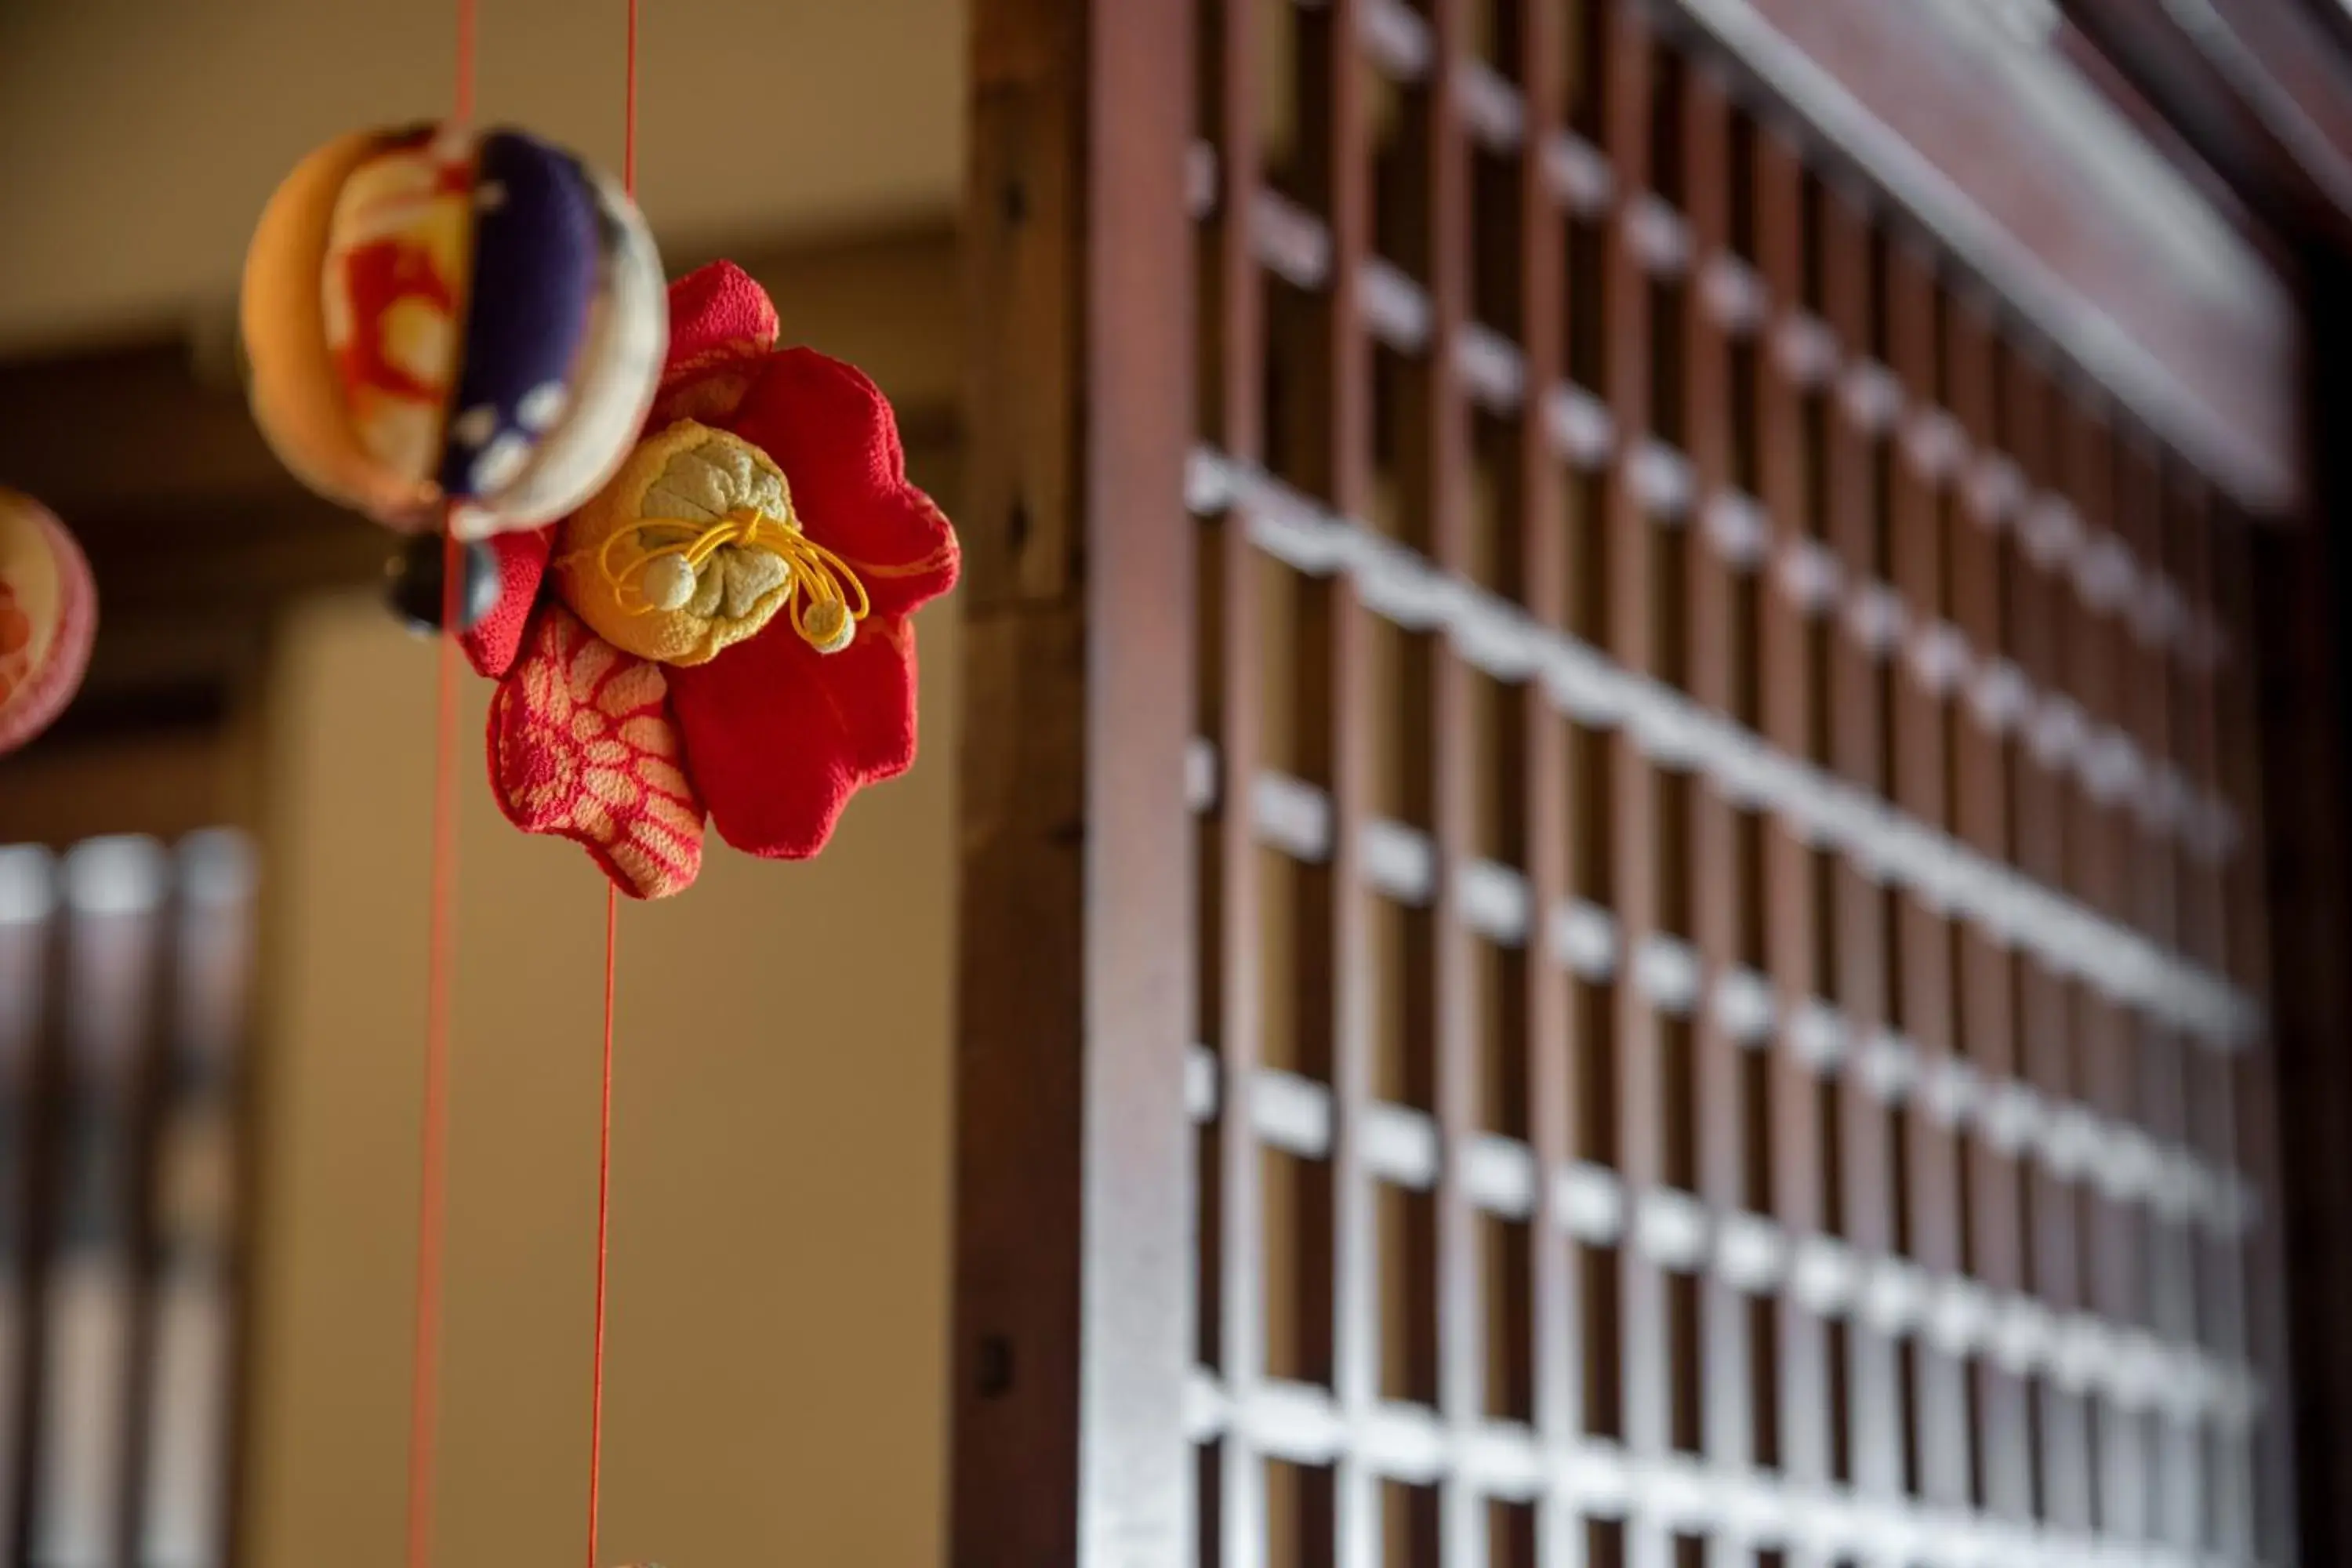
[1072,1325]
[2303,593]
[1074,1290]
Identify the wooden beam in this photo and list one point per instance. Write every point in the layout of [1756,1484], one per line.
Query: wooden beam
[2107,251]
[2290,69]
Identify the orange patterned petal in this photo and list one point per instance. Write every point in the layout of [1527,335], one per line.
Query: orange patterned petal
[581,747]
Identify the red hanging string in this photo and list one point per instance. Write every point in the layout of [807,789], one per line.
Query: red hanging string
[424,1389]
[462,108]
[612,943]
[629,113]
[604,1230]
[440,952]
[425,1372]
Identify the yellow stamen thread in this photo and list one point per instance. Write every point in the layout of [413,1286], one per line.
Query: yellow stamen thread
[823,594]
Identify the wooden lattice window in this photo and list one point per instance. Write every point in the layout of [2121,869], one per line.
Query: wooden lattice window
[1727,925]
[125,973]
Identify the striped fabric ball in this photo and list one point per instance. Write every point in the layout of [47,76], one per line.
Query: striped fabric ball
[434,315]
[49,614]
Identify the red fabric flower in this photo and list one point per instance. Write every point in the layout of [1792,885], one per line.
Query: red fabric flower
[772,735]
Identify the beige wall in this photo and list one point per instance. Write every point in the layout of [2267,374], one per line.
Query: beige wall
[779,1241]
[779,1219]
[139,137]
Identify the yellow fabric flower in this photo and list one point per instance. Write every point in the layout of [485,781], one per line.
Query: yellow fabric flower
[653,565]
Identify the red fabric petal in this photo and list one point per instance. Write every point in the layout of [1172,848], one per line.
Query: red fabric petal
[779,736]
[832,433]
[717,312]
[522,562]
[721,324]
[582,746]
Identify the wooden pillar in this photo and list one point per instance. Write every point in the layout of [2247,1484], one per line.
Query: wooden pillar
[1073,1311]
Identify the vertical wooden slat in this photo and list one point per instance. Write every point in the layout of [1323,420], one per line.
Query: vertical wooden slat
[1926,1008]
[2199,931]
[2086,652]
[2117,1290]
[2204,896]
[1071,1331]
[145,1089]
[92,1373]
[1133,1315]
[2265,1254]
[189,1520]
[2145,695]
[1543,537]
[1633,806]
[45,1235]
[1434,1018]
[1235,293]
[31,941]
[2214,1112]
[2028,415]
[2175,1469]
[1333,114]
[1995,1246]
[1237,297]
[1718,893]
[1856,531]
[1460,1351]
[1789,715]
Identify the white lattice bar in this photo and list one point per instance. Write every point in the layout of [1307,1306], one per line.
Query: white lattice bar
[28,884]
[1673,731]
[1756,1254]
[1595,1478]
[2076,1143]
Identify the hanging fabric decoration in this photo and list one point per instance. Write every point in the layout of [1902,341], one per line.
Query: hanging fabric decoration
[445,323]
[48,615]
[687,557]
[722,631]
